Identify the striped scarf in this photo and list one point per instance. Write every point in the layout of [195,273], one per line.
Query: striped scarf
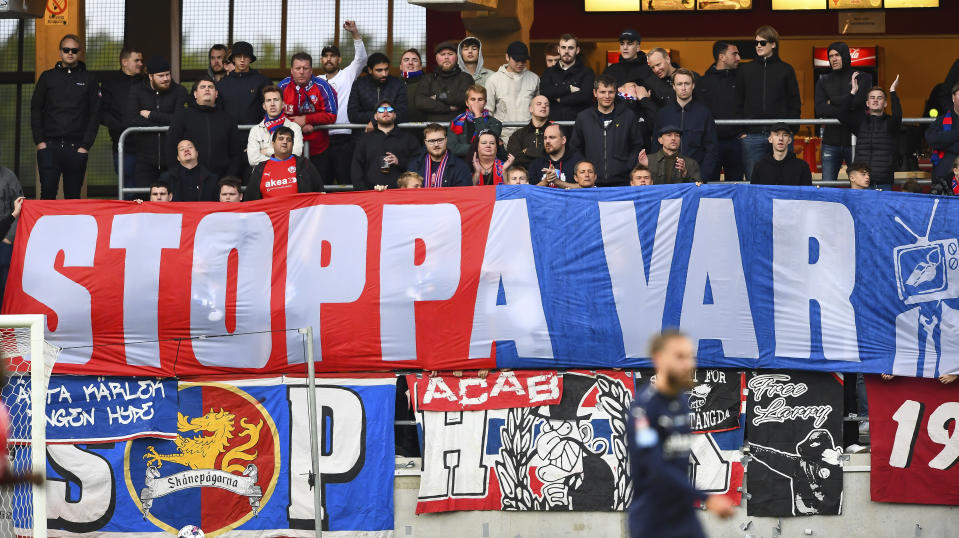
[412,74]
[273,124]
[459,122]
[435,179]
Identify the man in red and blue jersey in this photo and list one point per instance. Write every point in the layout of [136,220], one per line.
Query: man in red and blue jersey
[309,101]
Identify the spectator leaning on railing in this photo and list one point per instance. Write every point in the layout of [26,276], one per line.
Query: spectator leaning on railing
[153,103]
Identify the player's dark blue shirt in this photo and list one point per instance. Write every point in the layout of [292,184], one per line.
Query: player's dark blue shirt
[657,430]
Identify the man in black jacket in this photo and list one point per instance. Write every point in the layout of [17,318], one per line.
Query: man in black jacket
[767,89]
[153,104]
[376,86]
[608,136]
[212,129]
[114,93]
[832,99]
[384,153]
[438,166]
[526,143]
[284,173]
[556,167]
[567,84]
[695,122]
[781,167]
[64,116]
[441,95]
[240,90]
[190,181]
[717,90]
[877,133]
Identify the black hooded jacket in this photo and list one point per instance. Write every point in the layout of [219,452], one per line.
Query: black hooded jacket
[213,131]
[449,87]
[555,83]
[767,89]
[833,97]
[717,90]
[66,104]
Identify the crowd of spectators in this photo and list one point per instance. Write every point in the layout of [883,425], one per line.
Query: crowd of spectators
[644,120]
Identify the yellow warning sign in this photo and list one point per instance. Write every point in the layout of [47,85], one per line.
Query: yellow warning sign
[56,13]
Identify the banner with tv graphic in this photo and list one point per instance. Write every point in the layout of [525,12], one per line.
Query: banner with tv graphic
[240,462]
[761,277]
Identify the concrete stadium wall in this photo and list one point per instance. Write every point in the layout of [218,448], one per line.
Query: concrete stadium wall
[860,517]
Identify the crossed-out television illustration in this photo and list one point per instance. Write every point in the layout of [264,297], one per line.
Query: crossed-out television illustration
[927,270]
[927,275]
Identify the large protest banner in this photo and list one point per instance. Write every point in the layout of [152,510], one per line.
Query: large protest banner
[914,441]
[240,462]
[479,278]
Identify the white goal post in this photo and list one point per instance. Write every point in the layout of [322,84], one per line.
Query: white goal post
[25,352]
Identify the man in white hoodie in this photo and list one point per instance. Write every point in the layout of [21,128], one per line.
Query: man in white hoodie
[511,88]
[469,56]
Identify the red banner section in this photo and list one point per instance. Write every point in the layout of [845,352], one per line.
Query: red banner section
[204,288]
[915,441]
[498,390]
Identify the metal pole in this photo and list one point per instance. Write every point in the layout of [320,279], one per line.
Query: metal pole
[314,433]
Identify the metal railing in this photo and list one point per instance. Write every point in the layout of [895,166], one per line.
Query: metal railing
[123,189]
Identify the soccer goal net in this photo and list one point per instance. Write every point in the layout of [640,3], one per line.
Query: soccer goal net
[29,361]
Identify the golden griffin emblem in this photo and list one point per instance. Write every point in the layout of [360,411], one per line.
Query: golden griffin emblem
[213,433]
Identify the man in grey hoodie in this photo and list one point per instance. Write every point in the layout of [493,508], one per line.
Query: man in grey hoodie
[469,56]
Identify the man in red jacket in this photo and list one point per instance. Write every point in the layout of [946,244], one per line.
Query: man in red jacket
[309,101]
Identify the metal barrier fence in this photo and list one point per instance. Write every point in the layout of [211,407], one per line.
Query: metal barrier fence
[123,189]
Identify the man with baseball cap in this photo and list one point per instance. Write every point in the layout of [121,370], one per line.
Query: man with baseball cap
[336,168]
[441,95]
[240,91]
[511,88]
[668,165]
[782,167]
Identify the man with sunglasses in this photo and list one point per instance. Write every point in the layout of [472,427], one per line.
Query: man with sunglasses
[64,117]
[767,89]
[382,154]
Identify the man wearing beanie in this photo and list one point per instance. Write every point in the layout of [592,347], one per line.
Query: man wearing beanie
[152,103]
[240,91]
[441,95]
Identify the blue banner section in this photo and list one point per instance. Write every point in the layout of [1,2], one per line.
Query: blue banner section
[97,409]
[240,461]
[760,277]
